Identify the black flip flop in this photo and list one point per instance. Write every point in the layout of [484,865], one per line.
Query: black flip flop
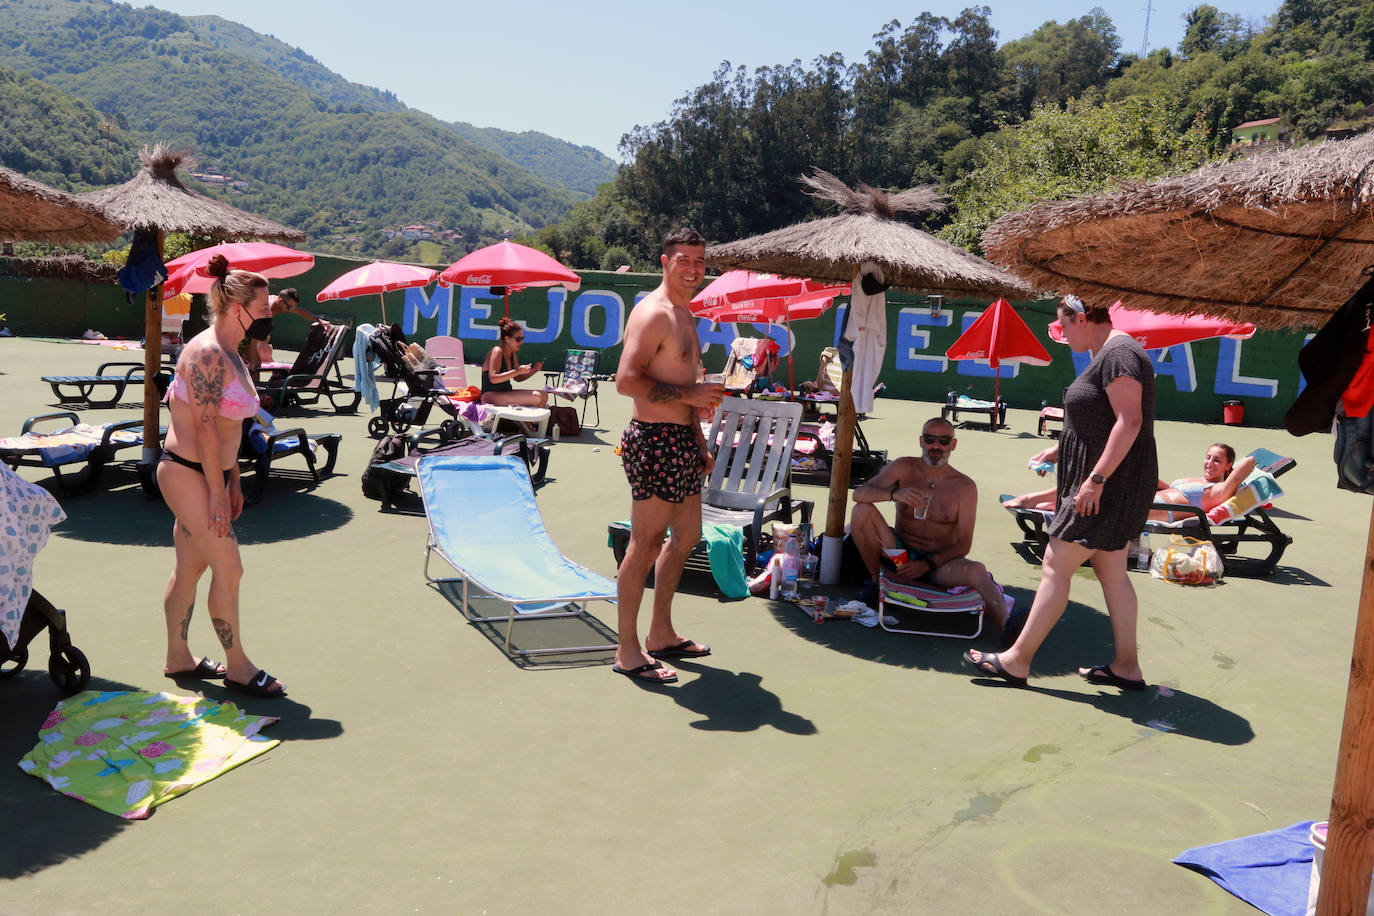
[990,665]
[637,674]
[681,650]
[257,687]
[1104,676]
[204,670]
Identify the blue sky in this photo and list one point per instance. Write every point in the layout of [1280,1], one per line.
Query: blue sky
[588,73]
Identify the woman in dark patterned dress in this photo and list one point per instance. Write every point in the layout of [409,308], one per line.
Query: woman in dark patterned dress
[1106,481]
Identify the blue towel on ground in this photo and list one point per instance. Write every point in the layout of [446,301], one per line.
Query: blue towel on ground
[1270,871]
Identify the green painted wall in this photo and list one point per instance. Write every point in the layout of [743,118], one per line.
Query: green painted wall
[1193,382]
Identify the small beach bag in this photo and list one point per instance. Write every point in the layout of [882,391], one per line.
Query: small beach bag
[1187,561]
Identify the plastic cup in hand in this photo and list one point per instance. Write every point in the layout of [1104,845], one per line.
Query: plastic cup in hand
[920,506]
[897,555]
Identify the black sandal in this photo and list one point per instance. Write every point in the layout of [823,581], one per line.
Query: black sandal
[990,665]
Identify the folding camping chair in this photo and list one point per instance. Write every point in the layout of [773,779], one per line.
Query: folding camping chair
[928,611]
[309,377]
[484,522]
[577,380]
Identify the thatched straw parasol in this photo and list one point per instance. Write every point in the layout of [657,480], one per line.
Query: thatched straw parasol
[1278,239]
[30,211]
[833,248]
[155,200]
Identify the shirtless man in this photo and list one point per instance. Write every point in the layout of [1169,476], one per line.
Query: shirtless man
[937,546]
[665,456]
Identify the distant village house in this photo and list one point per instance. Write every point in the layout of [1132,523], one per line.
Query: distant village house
[1255,133]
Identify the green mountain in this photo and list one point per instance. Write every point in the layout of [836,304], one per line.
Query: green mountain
[273,130]
[580,168]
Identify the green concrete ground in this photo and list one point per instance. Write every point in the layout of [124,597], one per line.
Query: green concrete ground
[802,768]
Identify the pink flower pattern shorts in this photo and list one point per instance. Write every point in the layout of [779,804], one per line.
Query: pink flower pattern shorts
[661,459]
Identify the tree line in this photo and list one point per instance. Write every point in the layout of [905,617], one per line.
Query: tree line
[1055,113]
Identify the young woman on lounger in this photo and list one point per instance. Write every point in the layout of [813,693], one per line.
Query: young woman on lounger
[502,367]
[1221,477]
[210,397]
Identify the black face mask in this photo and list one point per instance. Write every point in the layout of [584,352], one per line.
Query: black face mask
[259,329]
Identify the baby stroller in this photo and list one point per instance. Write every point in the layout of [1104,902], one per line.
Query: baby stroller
[417,384]
[27,511]
[67,665]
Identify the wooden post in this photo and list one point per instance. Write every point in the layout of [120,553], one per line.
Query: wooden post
[152,362]
[840,460]
[1349,858]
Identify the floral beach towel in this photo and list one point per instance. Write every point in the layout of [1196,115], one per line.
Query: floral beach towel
[127,752]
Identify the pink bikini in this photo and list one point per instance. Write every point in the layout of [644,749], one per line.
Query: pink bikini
[236,403]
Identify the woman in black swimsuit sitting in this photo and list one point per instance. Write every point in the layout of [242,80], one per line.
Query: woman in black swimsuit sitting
[503,365]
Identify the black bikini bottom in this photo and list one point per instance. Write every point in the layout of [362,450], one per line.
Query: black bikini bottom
[169,455]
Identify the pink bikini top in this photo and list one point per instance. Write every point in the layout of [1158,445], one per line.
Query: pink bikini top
[237,403]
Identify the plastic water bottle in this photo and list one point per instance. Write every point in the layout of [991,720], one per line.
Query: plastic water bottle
[791,569]
[1142,560]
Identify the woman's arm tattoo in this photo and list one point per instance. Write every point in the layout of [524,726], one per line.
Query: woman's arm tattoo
[207,384]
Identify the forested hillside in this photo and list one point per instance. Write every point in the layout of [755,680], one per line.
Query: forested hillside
[1048,115]
[291,140]
[580,168]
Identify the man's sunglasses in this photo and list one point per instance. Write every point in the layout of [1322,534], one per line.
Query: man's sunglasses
[928,439]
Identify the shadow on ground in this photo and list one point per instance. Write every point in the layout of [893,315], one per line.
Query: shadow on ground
[125,516]
[730,701]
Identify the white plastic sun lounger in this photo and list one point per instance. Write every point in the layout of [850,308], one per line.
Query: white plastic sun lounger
[484,522]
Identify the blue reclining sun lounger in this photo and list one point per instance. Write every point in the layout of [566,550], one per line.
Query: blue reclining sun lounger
[484,522]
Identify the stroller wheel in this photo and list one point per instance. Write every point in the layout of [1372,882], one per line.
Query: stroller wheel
[448,431]
[70,670]
[15,663]
[376,427]
[400,426]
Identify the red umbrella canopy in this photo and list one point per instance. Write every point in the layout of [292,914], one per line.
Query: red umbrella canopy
[375,279]
[1000,336]
[510,265]
[186,274]
[773,310]
[1156,331]
[735,286]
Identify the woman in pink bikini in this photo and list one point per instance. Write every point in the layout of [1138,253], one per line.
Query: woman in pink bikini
[210,397]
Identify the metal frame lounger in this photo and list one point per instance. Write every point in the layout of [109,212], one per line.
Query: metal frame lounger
[484,522]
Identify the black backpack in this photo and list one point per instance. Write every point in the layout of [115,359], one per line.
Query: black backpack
[389,449]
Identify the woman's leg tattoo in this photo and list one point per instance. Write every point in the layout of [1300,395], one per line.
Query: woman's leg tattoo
[224,632]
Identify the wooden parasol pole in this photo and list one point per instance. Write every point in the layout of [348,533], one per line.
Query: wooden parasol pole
[1349,858]
[152,362]
[840,460]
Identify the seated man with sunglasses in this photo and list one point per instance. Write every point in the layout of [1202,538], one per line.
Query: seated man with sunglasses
[935,510]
